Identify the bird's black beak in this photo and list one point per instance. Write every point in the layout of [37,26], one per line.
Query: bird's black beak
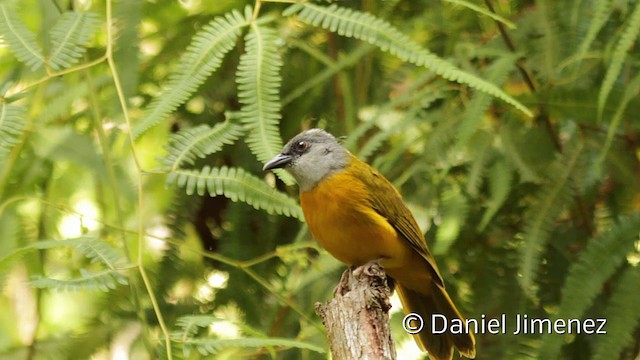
[279,161]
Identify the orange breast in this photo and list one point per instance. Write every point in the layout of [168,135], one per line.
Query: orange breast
[339,215]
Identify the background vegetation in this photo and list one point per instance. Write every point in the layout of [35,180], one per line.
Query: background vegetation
[135,220]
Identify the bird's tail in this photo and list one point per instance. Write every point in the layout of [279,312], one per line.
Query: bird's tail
[439,346]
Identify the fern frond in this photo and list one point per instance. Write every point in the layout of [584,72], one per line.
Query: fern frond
[94,249]
[454,211]
[259,80]
[483,11]
[630,93]
[237,185]
[622,316]
[318,79]
[104,280]
[198,142]
[409,119]
[541,216]
[203,56]
[190,324]
[500,178]
[628,38]
[366,27]
[22,42]
[605,253]
[478,106]
[599,16]
[62,97]
[101,252]
[69,38]
[12,124]
[481,143]
[513,154]
[128,19]
[210,346]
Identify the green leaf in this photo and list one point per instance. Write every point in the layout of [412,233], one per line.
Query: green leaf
[481,143]
[627,40]
[540,218]
[22,42]
[483,11]
[622,316]
[98,251]
[509,136]
[209,346]
[200,141]
[12,124]
[598,261]
[600,15]
[104,280]
[477,107]
[237,185]
[203,57]
[500,179]
[454,212]
[376,31]
[69,37]
[632,88]
[259,80]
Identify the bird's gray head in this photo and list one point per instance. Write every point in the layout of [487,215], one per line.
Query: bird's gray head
[310,157]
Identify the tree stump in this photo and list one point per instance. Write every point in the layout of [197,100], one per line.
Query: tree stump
[357,318]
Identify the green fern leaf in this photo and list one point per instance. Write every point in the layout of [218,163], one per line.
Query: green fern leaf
[11,126]
[600,15]
[69,37]
[203,56]
[22,42]
[630,93]
[541,216]
[198,142]
[478,106]
[409,120]
[210,346]
[454,211]
[366,27]
[237,185]
[483,11]
[628,38]
[318,79]
[96,250]
[59,103]
[605,253]
[500,178]
[190,324]
[101,252]
[259,80]
[481,143]
[513,154]
[622,316]
[104,280]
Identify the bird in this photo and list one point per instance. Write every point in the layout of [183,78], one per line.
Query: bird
[358,216]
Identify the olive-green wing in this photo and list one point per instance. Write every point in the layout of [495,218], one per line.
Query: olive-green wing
[387,201]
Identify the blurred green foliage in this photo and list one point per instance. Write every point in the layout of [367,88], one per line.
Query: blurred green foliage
[135,221]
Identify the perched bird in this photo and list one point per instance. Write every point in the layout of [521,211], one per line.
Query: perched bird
[358,216]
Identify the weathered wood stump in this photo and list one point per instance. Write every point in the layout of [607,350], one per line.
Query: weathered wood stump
[357,318]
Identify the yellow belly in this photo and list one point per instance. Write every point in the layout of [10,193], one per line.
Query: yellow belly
[340,217]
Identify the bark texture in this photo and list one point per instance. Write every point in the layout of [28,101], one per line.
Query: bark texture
[357,318]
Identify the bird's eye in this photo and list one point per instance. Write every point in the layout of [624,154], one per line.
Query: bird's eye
[302,145]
